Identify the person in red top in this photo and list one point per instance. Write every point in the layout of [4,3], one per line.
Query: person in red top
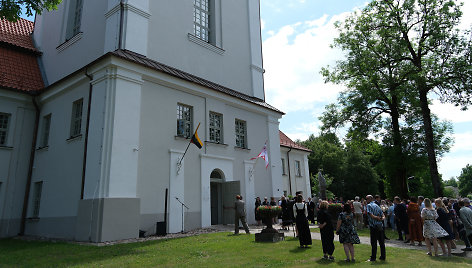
[415,224]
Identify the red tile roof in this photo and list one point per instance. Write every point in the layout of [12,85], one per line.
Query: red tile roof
[287,142]
[19,69]
[17,33]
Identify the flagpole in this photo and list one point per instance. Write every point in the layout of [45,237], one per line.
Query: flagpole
[188,145]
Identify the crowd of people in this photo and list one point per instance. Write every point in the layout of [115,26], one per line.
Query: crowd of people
[435,222]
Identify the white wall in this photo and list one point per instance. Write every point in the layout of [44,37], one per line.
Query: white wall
[14,159]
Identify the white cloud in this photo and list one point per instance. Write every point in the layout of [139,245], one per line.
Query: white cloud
[447,111]
[462,143]
[293,58]
[452,166]
[303,131]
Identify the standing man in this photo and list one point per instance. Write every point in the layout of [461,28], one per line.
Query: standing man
[311,210]
[357,213]
[375,217]
[240,214]
[401,219]
[466,217]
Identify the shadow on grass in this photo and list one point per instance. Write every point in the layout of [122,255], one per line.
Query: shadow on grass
[40,253]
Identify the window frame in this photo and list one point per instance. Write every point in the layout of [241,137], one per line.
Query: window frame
[298,169]
[5,129]
[76,119]
[284,171]
[74,19]
[46,127]
[37,192]
[202,26]
[213,128]
[240,132]
[186,122]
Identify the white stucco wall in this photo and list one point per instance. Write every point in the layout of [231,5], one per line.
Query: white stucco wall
[14,159]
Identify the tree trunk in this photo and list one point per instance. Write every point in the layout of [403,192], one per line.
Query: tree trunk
[400,165]
[428,130]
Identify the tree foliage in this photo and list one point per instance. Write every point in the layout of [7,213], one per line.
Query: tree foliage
[347,169]
[465,181]
[398,51]
[12,9]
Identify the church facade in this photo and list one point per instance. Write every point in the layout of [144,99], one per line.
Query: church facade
[95,153]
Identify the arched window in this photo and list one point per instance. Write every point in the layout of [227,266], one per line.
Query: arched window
[217,174]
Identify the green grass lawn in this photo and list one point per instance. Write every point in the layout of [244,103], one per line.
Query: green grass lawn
[209,250]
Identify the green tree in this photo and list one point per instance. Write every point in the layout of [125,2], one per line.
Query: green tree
[425,50]
[12,9]
[465,181]
[451,182]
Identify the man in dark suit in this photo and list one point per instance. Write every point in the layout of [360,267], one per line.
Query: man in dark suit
[240,215]
[311,210]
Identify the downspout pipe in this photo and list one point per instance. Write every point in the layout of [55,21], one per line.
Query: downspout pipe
[30,167]
[87,124]
[120,33]
[289,177]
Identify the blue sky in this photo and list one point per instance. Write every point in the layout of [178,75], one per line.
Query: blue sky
[296,37]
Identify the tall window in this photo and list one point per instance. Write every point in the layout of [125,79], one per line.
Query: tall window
[4,121]
[74,18]
[240,131]
[283,167]
[298,171]
[76,121]
[45,131]
[216,127]
[38,188]
[184,121]
[201,19]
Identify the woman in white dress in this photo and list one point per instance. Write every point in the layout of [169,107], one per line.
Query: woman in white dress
[431,229]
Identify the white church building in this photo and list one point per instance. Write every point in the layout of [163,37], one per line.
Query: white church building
[99,100]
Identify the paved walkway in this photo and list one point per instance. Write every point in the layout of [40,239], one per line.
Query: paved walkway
[364,239]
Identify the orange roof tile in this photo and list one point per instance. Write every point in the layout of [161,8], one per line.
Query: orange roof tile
[17,33]
[287,142]
[19,69]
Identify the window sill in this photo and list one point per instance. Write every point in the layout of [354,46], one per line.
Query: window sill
[33,219]
[69,42]
[242,149]
[43,148]
[4,147]
[205,44]
[216,143]
[181,138]
[74,138]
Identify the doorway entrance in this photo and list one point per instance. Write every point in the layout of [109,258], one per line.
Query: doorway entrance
[222,197]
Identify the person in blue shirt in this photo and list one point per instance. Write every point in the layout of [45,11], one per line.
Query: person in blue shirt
[375,218]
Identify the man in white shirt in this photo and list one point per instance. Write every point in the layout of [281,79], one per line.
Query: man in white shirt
[358,213]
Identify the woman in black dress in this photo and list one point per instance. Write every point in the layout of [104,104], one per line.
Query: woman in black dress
[286,214]
[443,220]
[301,213]
[256,214]
[326,231]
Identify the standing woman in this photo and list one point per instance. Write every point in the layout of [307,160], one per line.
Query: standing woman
[431,229]
[347,232]
[256,214]
[326,231]
[286,213]
[300,212]
[444,221]
[415,224]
